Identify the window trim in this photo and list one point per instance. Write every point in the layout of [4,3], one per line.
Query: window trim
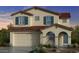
[21,20]
[37,18]
[51,21]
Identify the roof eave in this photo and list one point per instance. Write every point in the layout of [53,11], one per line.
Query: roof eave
[22,13]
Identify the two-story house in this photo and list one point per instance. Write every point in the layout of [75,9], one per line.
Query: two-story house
[35,26]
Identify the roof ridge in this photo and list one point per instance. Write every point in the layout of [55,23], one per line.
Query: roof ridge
[36,7]
[62,15]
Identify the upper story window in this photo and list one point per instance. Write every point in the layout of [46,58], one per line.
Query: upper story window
[21,20]
[17,21]
[48,20]
[37,18]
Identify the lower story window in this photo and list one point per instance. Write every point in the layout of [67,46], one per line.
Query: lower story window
[65,38]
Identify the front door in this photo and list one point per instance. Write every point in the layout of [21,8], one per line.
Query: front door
[51,38]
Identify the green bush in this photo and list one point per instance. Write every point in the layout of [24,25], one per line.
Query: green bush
[38,50]
[4,37]
[75,35]
[47,46]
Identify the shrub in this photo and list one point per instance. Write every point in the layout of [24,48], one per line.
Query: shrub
[75,35]
[4,37]
[47,46]
[38,50]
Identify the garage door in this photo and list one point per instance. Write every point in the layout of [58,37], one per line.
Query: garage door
[22,39]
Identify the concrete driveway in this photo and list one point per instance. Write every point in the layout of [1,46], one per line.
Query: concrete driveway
[14,50]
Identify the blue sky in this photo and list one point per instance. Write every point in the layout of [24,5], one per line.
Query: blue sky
[5,11]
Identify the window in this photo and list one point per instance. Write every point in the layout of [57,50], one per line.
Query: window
[64,21]
[48,20]
[37,18]
[17,21]
[51,35]
[65,38]
[21,20]
[24,20]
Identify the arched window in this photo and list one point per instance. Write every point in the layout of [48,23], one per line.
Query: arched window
[51,39]
[65,36]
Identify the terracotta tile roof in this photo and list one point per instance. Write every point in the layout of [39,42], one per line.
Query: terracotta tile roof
[22,13]
[37,28]
[64,27]
[61,15]
[64,15]
[32,28]
[61,26]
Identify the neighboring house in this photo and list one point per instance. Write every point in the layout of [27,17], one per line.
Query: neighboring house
[36,26]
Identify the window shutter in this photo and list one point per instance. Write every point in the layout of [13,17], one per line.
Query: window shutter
[25,20]
[17,21]
[52,20]
[44,20]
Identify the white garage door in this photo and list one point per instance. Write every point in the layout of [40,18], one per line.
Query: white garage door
[22,39]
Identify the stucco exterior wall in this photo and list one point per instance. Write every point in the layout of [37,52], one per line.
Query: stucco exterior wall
[33,39]
[60,21]
[40,13]
[56,31]
[11,38]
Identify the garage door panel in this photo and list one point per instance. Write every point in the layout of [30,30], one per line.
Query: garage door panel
[22,39]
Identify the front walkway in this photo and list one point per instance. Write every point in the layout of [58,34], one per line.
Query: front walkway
[62,50]
[48,50]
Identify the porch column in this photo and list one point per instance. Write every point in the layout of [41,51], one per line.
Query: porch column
[69,40]
[43,40]
[56,41]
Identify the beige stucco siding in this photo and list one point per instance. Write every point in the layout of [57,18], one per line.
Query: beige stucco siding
[11,38]
[56,31]
[35,38]
[42,14]
[60,21]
